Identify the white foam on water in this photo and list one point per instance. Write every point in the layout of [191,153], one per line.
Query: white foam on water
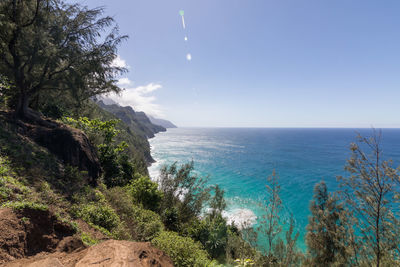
[240,217]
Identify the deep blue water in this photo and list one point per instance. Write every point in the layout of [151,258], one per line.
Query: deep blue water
[241,159]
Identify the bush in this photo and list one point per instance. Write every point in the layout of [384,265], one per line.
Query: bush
[99,214]
[183,251]
[147,224]
[145,192]
[88,240]
[21,205]
[118,169]
[73,179]
[143,225]
[211,233]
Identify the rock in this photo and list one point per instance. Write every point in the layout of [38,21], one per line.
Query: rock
[70,244]
[164,123]
[71,146]
[124,253]
[47,262]
[107,254]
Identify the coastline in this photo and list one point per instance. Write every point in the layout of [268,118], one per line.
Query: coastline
[235,212]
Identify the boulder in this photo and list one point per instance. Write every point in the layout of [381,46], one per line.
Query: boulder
[71,146]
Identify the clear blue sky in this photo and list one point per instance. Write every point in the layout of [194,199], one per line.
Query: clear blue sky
[262,63]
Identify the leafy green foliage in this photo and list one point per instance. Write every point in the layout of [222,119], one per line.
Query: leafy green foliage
[217,203]
[329,230]
[212,233]
[99,214]
[118,170]
[271,225]
[11,189]
[371,191]
[4,87]
[238,248]
[212,230]
[182,250]
[147,223]
[54,46]
[138,150]
[142,224]
[145,192]
[88,240]
[278,252]
[184,191]
[21,205]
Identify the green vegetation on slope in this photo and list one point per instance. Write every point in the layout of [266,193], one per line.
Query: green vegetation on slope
[54,60]
[137,121]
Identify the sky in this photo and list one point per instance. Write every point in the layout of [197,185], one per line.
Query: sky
[261,63]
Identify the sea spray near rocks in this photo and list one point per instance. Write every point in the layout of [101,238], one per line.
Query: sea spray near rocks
[241,159]
[240,217]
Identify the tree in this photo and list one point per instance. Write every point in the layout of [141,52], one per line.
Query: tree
[328,231]
[4,86]
[370,191]
[286,252]
[278,252]
[184,193]
[145,192]
[217,203]
[270,225]
[50,45]
[117,167]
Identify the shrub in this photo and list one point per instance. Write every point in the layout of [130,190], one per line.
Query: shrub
[184,190]
[20,205]
[212,233]
[99,214]
[183,251]
[118,169]
[88,240]
[145,192]
[10,187]
[147,224]
[72,179]
[143,225]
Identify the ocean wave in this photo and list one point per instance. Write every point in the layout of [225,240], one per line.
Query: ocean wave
[240,217]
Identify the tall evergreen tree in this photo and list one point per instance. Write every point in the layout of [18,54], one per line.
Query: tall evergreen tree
[370,191]
[328,230]
[278,252]
[271,225]
[217,202]
[50,45]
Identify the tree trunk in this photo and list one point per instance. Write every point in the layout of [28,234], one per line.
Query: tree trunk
[21,109]
[23,112]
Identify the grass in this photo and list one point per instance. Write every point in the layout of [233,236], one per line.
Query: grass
[88,240]
[21,205]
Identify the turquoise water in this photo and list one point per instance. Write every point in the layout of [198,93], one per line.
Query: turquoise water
[241,159]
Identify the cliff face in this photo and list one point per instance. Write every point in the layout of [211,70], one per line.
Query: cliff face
[161,122]
[137,121]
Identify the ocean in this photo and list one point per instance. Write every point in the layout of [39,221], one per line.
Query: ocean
[241,159]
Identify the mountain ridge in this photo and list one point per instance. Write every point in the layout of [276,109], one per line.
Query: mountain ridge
[137,120]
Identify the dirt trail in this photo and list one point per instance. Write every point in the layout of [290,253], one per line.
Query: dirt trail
[111,253]
[35,238]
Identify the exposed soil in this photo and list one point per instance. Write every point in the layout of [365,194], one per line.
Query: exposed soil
[109,253]
[36,238]
[29,231]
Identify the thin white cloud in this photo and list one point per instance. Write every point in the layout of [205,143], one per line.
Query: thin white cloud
[119,62]
[124,82]
[140,99]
